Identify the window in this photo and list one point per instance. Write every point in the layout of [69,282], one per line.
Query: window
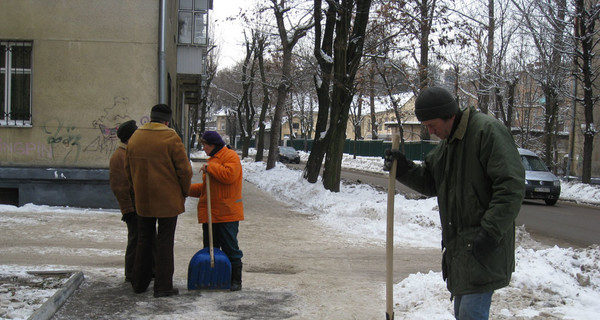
[533,163]
[193,21]
[15,82]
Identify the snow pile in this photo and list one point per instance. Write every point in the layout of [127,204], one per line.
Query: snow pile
[358,210]
[548,282]
[580,192]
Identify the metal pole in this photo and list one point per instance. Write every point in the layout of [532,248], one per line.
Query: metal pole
[162,70]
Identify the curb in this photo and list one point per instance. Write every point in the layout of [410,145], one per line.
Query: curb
[47,310]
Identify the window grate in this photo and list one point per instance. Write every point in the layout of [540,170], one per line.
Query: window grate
[15,82]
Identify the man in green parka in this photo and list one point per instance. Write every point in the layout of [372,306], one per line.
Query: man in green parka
[477,176]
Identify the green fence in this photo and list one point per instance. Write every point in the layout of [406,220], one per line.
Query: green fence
[376,148]
[369,148]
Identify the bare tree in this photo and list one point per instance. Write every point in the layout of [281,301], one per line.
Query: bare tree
[586,37]
[391,70]
[416,21]
[546,24]
[245,108]
[198,112]
[261,43]
[356,119]
[288,36]
[344,36]
[323,52]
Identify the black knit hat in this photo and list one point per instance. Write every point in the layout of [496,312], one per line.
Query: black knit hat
[160,112]
[212,137]
[126,129]
[435,102]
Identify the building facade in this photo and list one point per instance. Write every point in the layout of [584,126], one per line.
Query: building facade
[72,71]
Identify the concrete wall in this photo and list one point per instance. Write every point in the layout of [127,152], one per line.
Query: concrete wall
[94,66]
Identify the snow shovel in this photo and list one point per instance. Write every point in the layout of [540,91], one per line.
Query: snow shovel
[389,243]
[209,268]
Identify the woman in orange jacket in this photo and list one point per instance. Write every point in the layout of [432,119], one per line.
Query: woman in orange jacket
[227,209]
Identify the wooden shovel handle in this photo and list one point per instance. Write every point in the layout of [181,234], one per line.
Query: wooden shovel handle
[389,243]
[210,231]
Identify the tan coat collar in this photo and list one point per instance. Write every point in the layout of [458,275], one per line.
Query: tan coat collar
[461,130]
[154,126]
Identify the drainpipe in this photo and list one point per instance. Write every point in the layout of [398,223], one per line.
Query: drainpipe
[162,70]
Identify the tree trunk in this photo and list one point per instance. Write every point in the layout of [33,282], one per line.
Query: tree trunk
[243,105]
[511,86]
[323,49]
[282,91]
[374,127]
[287,45]
[260,138]
[347,55]
[585,31]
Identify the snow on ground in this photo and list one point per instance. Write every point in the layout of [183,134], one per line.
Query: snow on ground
[549,282]
[21,292]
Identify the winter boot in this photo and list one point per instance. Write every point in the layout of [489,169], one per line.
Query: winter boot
[236,278]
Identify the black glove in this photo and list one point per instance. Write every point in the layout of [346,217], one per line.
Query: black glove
[483,244]
[403,164]
[129,216]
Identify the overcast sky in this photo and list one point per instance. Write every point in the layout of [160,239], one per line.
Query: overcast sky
[228,34]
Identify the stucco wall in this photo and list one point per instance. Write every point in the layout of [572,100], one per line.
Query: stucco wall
[94,66]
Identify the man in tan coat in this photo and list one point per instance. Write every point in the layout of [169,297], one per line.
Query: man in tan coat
[160,173]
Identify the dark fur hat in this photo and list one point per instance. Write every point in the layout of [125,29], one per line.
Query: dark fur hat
[161,112]
[126,129]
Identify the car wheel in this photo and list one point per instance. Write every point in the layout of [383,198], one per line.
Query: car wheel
[551,202]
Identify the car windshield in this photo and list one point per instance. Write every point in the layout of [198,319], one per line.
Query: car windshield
[287,149]
[532,163]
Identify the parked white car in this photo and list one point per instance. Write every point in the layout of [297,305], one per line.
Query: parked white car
[540,183]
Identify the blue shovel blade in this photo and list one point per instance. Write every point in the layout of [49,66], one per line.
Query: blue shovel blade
[202,276]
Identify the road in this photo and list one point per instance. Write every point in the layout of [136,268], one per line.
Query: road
[576,225]
[564,224]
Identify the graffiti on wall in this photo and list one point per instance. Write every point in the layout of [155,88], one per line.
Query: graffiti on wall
[28,149]
[64,141]
[107,124]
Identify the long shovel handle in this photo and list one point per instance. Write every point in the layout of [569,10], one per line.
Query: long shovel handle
[210,231]
[389,243]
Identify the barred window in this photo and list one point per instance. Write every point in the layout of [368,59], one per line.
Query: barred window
[15,82]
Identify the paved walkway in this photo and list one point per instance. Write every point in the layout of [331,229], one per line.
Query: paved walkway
[293,267]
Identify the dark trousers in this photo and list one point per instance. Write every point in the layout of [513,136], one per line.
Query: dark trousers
[225,238]
[165,265]
[132,239]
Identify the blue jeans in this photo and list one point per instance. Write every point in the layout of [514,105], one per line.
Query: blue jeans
[474,306]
